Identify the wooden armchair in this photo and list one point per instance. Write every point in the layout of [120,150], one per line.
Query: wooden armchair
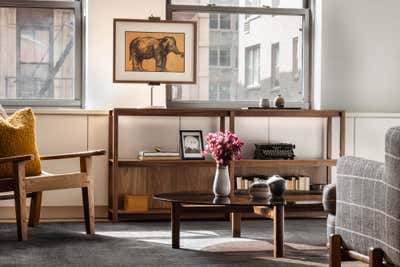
[33,187]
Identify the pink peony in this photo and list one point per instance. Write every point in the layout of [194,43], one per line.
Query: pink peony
[224,147]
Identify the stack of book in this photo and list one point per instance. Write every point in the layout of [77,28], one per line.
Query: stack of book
[301,183]
[144,155]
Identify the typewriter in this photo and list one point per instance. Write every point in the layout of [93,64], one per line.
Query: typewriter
[274,151]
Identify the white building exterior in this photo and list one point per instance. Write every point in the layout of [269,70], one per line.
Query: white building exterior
[277,43]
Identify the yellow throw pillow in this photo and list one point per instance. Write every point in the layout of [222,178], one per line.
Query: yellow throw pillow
[17,137]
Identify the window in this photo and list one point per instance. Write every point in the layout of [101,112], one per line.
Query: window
[275,3]
[220,57]
[224,21]
[220,91]
[253,66]
[251,3]
[214,57]
[214,21]
[275,75]
[220,21]
[41,54]
[225,57]
[252,63]
[295,62]
[240,3]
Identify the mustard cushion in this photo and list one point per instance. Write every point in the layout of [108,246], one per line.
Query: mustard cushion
[17,137]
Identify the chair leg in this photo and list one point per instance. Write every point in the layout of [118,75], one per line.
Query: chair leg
[88,207]
[335,243]
[375,257]
[20,202]
[36,203]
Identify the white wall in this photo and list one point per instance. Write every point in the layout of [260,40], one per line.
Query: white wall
[361,55]
[101,92]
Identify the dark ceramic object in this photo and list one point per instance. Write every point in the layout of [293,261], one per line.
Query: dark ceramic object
[277,185]
[279,101]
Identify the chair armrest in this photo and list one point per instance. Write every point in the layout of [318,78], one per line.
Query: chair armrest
[84,154]
[329,198]
[16,159]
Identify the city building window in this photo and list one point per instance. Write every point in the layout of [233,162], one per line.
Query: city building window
[253,66]
[214,57]
[219,91]
[224,21]
[295,63]
[214,21]
[225,57]
[275,75]
[220,57]
[41,54]
[220,21]
[251,61]
[275,3]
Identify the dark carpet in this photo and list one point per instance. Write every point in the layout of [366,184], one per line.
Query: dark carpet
[204,243]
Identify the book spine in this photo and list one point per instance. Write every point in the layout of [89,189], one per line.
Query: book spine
[238,183]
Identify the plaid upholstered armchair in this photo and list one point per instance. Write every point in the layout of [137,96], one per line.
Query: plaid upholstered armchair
[364,208]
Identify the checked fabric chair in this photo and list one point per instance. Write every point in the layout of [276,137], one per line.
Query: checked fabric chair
[33,187]
[364,208]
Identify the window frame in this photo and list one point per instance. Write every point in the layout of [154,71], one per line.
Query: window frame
[77,6]
[249,55]
[275,58]
[304,12]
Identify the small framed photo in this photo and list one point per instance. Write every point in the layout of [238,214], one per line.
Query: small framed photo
[191,142]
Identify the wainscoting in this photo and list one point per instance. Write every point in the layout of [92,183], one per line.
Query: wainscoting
[62,131]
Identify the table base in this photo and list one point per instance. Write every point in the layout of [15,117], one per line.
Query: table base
[277,215]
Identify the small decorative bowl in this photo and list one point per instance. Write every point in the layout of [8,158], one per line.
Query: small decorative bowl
[258,190]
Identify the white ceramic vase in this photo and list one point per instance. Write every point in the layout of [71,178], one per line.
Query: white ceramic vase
[222,184]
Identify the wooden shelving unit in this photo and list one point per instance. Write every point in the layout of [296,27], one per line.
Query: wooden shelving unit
[148,177]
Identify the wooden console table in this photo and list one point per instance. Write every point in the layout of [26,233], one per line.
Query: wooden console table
[139,177]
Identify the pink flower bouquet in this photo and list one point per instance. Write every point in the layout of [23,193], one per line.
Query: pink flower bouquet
[224,147]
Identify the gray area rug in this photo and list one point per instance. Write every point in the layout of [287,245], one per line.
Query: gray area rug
[203,243]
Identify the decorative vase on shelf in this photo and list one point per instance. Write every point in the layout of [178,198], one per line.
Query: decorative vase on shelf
[222,184]
[277,186]
[223,147]
[279,102]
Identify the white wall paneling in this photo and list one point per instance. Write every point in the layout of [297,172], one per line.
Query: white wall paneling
[369,137]
[98,139]
[143,133]
[62,133]
[306,133]
[251,131]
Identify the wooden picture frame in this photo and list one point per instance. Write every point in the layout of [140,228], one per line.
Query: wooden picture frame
[191,144]
[154,51]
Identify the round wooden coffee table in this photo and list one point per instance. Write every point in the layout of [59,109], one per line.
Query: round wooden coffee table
[234,204]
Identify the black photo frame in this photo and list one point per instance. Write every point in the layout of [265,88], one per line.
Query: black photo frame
[191,148]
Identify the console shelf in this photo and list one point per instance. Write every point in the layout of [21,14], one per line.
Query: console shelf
[238,164]
[148,177]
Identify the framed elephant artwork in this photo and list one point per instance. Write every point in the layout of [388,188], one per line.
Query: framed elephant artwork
[148,51]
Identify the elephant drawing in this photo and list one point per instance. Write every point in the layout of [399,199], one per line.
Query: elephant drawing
[142,48]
